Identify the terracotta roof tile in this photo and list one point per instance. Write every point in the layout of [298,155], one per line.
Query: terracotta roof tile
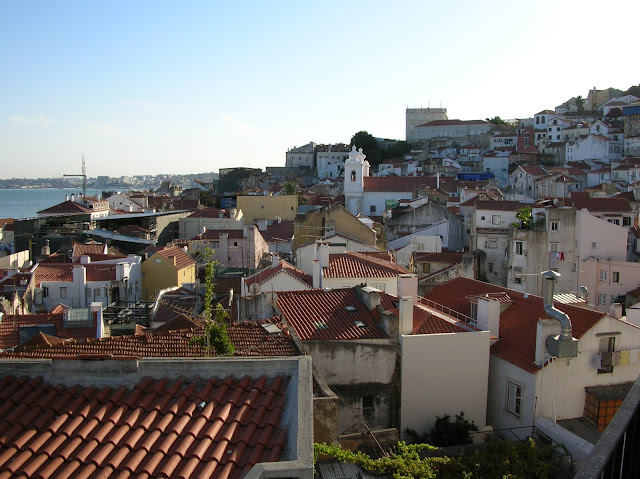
[66,208]
[10,327]
[93,248]
[598,205]
[183,260]
[358,265]
[123,432]
[500,205]
[329,315]
[281,232]
[63,272]
[268,273]
[449,257]
[173,339]
[518,322]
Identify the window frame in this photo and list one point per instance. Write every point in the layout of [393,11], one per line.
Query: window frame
[513,398]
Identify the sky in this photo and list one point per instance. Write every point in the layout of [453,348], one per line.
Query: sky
[151,87]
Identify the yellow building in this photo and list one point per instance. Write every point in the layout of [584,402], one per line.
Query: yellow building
[268,207]
[167,268]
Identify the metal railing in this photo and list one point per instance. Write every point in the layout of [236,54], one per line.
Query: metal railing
[446,310]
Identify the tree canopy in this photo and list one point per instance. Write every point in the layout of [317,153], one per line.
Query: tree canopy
[375,155]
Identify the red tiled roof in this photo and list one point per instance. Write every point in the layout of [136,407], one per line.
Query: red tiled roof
[322,315]
[399,183]
[598,205]
[63,272]
[357,265]
[206,213]
[86,249]
[172,339]
[66,208]
[283,266]
[278,232]
[183,260]
[449,257]
[518,322]
[492,231]
[500,205]
[10,327]
[215,427]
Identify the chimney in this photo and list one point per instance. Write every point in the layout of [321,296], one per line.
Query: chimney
[317,274]
[80,282]
[46,249]
[408,286]
[66,197]
[323,255]
[369,296]
[96,310]
[615,310]
[405,315]
[275,259]
[84,259]
[489,315]
[73,197]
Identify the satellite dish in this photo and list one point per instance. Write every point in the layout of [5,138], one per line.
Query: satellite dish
[254,288]
[272,297]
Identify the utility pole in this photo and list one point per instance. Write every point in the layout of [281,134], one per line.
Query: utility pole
[84,178]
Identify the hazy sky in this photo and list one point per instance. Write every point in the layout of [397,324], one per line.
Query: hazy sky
[148,87]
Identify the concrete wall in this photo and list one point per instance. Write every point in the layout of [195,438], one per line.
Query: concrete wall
[443,374]
[356,370]
[17,260]
[388,285]
[610,239]
[190,227]
[268,207]
[628,278]
[160,273]
[329,220]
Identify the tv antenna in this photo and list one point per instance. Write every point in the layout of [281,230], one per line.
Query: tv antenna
[84,179]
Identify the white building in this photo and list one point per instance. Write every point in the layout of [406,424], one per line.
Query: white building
[304,156]
[330,160]
[418,116]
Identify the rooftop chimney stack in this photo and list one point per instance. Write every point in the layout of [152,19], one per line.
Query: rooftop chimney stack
[317,274]
[323,255]
[405,315]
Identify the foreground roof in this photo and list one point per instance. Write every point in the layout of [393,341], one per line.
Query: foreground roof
[209,427]
[518,322]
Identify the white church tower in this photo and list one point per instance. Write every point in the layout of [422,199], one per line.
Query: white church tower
[356,168]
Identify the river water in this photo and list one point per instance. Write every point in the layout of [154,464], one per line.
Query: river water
[26,202]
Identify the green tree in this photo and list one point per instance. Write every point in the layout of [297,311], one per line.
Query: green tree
[496,120]
[446,432]
[216,336]
[367,142]
[289,188]
[525,216]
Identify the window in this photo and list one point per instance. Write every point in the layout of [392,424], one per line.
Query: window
[615,277]
[490,267]
[553,247]
[607,345]
[614,298]
[594,245]
[97,292]
[554,225]
[496,219]
[626,221]
[492,244]
[353,176]
[602,299]
[482,218]
[519,248]
[45,291]
[157,260]
[63,292]
[603,275]
[514,398]
[372,209]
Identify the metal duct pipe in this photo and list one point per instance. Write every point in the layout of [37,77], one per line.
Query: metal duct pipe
[550,277]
